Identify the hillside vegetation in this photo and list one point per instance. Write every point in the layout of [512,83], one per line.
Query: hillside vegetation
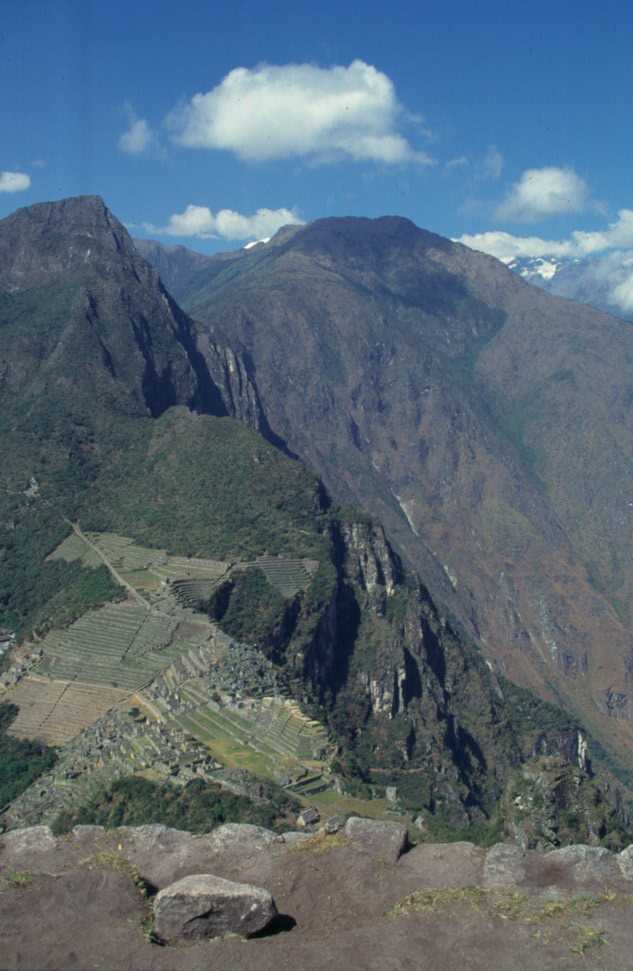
[21,762]
[197,808]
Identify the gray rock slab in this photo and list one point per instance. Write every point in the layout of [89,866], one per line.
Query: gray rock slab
[441,865]
[33,838]
[589,863]
[164,855]
[625,862]
[292,838]
[243,836]
[86,833]
[334,824]
[203,905]
[33,848]
[504,865]
[385,840]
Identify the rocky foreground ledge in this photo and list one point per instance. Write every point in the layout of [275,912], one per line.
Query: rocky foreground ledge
[241,897]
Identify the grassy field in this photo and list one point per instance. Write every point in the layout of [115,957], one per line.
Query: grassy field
[330,803]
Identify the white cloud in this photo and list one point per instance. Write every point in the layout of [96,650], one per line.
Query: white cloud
[139,137]
[622,295]
[610,257]
[540,193]
[493,163]
[618,234]
[201,222]
[324,114]
[611,274]
[14,181]
[506,247]
[456,163]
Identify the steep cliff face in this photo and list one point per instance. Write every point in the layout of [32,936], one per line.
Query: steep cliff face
[230,373]
[410,700]
[86,328]
[421,709]
[84,319]
[551,801]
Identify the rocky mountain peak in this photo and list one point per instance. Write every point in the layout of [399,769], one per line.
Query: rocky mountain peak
[50,238]
[360,238]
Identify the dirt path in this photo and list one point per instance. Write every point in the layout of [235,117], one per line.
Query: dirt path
[115,573]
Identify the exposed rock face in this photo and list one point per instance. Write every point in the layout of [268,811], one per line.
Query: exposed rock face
[371,561]
[590,863]
[505,865]
[33,839]
[234,380]
[247,837]
[386,841]
[552,800]
[207,906]
[55,238]
[625,862]
[110,322]
[334,823]
[163,854]
[403,690]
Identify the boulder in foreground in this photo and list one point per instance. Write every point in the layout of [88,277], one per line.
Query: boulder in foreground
[203,905]
[385,840]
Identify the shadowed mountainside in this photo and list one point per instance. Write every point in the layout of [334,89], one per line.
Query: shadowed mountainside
[483,421]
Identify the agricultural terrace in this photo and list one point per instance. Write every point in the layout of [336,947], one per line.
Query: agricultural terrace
[143,568]
[269,735]
[56,711]
[286,575]
[122,645]
[193,579]
[73,548]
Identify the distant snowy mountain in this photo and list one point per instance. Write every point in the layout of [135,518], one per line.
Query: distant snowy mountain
[256,242]
[537,269]
[605,282]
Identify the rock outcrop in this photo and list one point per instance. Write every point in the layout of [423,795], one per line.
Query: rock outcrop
[83,900]
[504,865]
[384,840]
[203,905]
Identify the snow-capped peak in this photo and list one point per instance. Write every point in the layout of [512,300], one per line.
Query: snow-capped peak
[530,267]
[256,242]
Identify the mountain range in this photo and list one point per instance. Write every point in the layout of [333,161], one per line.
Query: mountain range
[602,281]
[483,421]
[448,443]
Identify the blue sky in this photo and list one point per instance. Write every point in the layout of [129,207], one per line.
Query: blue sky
[191,118]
